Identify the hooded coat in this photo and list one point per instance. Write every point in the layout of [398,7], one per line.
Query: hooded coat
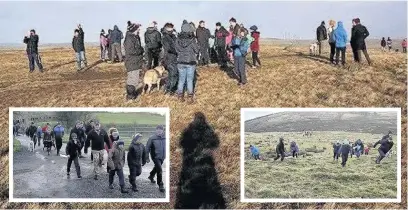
[280,148]
[137,154]
[340,35]
[156,146]
[134,52]
[170,53]
[383,43]
[321,33]
[116,157]
[345,149]
[358,36]
[336,148]
[186,48]
[58,131]
[116,35]
[240,46]
[153,39]
[254,150]
[32,44]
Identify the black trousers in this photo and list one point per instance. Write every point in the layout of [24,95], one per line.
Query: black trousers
[157,170]
[172,81]
[58,143]
[332,51]
[153,56]
[257,157]
[294,153]
[204,57]
[380,156]
[34,58]
[344,158]
[135,171]
[255,58]
[341,50]
[280,155]
[76,163]
[119,172]
[222,56]
[336,156]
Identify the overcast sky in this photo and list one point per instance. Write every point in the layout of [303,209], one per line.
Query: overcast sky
[249,115]
[55,21]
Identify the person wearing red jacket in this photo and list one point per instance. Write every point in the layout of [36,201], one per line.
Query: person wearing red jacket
[255,46]
[404,46]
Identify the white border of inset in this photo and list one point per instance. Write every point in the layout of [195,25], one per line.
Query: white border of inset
[313,200]
[83,200]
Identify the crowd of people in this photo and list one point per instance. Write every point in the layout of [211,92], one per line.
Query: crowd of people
[388,44]
[83,137]
[342,149]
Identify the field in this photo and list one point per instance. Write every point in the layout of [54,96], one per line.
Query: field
[315,174]
[288,78]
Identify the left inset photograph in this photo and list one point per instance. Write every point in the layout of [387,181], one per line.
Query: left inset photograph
[89,154]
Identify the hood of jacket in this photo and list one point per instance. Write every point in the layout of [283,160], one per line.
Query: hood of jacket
[115,28]
[184,40]
[136,139]
[151,30]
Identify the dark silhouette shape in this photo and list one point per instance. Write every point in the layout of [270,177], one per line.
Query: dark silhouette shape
[198,186]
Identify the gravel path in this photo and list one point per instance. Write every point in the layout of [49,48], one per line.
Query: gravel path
[37,175]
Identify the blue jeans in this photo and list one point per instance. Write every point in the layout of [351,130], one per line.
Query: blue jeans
[186,74]
[80,56]
[33,59]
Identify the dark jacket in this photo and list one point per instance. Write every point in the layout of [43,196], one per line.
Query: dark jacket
[78,41]
[72,149]
[236,30]
[358,35]
[79,132]
[336,148]
[220,36]
[203,35]
[32,130]
[385,144]
[383,43]
[156,146]
[280,148]
[321,33]
[187,49]
[88,129]
[97,141]
[153,38]
[32,44]
[134,52]
[137,154]
[170,53]
[116,35]
[345,149]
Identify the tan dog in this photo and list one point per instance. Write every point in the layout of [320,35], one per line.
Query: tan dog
[313,49]
[153,76]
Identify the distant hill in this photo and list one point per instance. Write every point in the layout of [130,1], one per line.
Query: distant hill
[366,122]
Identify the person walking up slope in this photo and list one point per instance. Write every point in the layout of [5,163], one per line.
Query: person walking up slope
[255,46]
[116,37]
[116,161]
[156,146]
[136,158]
[187,49]
[359,34]
[240,45]
[340,37]
[133,60]
[31,40]
[386,145]
[336,151]
[345,150]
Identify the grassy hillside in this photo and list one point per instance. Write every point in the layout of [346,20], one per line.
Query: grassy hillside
[131,118]
[315,174]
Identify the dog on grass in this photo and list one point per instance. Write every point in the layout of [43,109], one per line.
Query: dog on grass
[153,76]
[32,146]
[313,49]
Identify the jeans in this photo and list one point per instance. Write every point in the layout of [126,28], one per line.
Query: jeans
[222,56]
[119,172]
[76,163]
[186,75]
[80,56]
[341,50]
[255,58]
[157,170]
[33,59]
[239,64]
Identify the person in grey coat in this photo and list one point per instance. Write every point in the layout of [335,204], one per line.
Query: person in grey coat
[156,146]
[187,50]
[116,162]
[116,37]
[133,60]
[136,158]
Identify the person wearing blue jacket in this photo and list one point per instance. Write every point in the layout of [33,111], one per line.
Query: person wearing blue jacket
[240,45]
[39,133]
[340,37]
[254,152]
[58,134]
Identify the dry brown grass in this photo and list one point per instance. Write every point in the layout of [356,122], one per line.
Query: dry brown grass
[286,80]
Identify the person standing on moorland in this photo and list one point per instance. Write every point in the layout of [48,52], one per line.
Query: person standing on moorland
[240,45]
[116,37]
[221,44]
[170,57]
[389,44]
[96,138]
[103,41]
[383,44]
[31,40]
[187,50]
[80,136]
[280,150]
[203,36]
[156,147]
[353,41]
[79,47]
[136,158]
[332,41]
[255,34]
[153,41]
[359,34]
[235,27]
[321,35]
[404,46]
[58,134]
[340,37]
[133,60]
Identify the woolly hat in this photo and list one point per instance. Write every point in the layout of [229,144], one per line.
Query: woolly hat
[186,27]
[32,30]
[133,27]
[254,28]
[218,24]
[136,137]
[323,23]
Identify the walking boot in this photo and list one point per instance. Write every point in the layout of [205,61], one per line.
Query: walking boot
[122,189]
[151,179]
[190,98]
[180,97]
[161,188]
[111,186]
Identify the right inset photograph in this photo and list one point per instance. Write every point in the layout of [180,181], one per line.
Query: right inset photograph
[321,155]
